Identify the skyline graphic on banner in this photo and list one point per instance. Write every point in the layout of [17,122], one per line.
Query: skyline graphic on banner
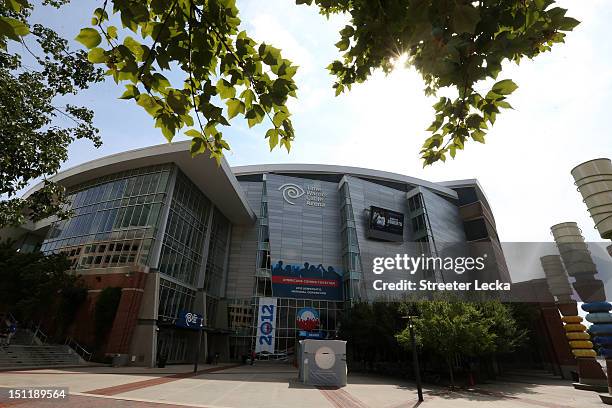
[306,281]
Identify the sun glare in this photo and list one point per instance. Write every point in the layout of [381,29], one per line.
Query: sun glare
[400,61]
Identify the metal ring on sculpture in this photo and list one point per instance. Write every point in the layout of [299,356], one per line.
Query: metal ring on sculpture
[578,336]
[574,327]
[594,307]
[584,353]
[581,344]
[603,340]
[599,317]
[572,319]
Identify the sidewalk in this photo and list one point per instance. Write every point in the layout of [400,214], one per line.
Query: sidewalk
[271,385]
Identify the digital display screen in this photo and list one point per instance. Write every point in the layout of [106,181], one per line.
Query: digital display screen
[391,222]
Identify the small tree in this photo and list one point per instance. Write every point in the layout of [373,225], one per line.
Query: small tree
[370,331]
[30,282]
[451,328]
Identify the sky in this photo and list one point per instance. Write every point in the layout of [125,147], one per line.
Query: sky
[561,116]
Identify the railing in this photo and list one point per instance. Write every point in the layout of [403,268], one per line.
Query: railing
[70,342]
[37,333]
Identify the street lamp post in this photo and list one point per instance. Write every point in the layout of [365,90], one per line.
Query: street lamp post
[415,358]
[197,355]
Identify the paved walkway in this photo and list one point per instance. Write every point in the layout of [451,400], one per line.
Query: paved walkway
[272,385]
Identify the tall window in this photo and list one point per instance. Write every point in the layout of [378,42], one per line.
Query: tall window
[181,255]
[217,254]
[114,219]
[172,298]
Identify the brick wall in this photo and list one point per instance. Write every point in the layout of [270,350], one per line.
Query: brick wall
[132,283]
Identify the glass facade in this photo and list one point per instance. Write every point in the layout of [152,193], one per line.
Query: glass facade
[183,243]
[351,257]
[173,297]
[217,254]
[286,320]
[115,219]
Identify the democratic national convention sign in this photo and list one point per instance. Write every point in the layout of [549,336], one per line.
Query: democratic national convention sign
[266,325]
[306,281]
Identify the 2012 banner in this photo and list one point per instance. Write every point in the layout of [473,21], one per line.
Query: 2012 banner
[266,325]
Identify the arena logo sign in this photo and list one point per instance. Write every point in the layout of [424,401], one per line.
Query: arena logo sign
[315,197]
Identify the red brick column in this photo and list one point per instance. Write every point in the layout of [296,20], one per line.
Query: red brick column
[120,335]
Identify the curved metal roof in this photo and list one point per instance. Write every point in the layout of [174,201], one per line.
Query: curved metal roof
[218,183]
[306,169]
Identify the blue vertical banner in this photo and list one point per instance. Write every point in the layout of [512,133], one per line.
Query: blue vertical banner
[266,325]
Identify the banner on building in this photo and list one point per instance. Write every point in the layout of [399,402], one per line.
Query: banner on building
[266,325]
[306,281]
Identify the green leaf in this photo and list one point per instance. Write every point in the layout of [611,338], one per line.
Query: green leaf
[16,5]
[234,107]
[131,92]
[465,18]
[479,136]
[434,127]
[177,101]
[89,37]
[96,56]
[136,48]
[568,24]
[12,28]
[272,136]
[279,118]
[255,115]
[249,96]
[504,104]
[343,44]
[504,87]
[193,133]
[197,146]
[225,89]
[149,103]
[112,32]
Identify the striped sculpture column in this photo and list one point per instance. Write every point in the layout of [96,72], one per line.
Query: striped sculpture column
[594,181]
[601,330]
[575,332]
[579,265]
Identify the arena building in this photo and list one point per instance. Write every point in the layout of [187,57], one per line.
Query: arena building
[184,237]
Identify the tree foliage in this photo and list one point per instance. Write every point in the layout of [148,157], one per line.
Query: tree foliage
[31,282]
[226,73]
[34,142]
[451,43]
[455,328]
[456,44]
[370,330]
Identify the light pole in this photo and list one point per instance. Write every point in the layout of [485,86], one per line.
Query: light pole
[415,357]
[197,354]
